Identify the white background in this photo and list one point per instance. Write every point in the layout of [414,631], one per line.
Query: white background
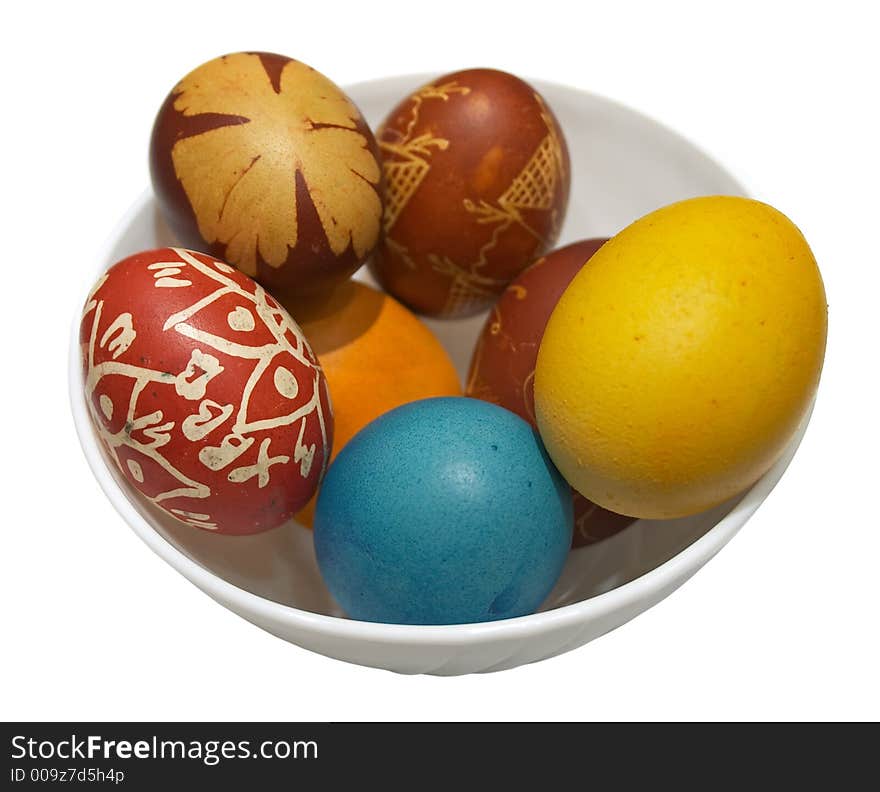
[782,624]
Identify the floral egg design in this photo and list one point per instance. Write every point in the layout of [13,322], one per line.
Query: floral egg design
[204,391]
[266,163]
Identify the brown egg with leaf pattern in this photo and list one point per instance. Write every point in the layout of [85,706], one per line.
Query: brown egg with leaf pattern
[476,186]
[502,368]
[267,164]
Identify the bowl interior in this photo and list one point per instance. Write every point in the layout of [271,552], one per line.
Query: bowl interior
[623,166]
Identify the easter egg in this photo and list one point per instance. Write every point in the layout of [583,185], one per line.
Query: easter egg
[677,366]
[502,368]
[264,162]
[375,355]
[204,392]
[442,511]
[476,186]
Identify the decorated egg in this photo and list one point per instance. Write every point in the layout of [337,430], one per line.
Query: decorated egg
[677,366]
[476,187]
[502,368]
[442,511]
[375,355]
[204,391]
[264,162]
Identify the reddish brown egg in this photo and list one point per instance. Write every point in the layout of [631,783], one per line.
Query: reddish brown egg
[476,186]
[266,163]
[204,391]
[502,369]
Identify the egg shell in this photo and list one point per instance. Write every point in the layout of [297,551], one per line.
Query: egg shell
[443,511]
[476,182]
[502,369]
[204,391]
[677,366]
[264,162]
[375,354]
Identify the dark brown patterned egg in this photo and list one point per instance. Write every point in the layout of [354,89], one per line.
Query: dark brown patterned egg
[477,179]
[503,365]
[267,164]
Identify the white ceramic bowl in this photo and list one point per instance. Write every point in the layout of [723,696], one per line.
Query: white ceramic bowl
[624,165]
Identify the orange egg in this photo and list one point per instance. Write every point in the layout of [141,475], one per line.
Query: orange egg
[375,354]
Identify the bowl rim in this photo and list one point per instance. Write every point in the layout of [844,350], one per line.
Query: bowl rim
[645,587]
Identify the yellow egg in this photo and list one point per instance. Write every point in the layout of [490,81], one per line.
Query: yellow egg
[678,364]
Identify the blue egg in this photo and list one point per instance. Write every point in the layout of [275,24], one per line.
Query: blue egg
[443,511]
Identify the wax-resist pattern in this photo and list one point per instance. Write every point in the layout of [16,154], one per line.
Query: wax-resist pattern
[514,387]
[533,190]
[502,369]
[204,391]
[408,157]
[469,290]
[476,182]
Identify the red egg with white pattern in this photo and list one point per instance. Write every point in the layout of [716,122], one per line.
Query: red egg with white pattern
[204,391]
